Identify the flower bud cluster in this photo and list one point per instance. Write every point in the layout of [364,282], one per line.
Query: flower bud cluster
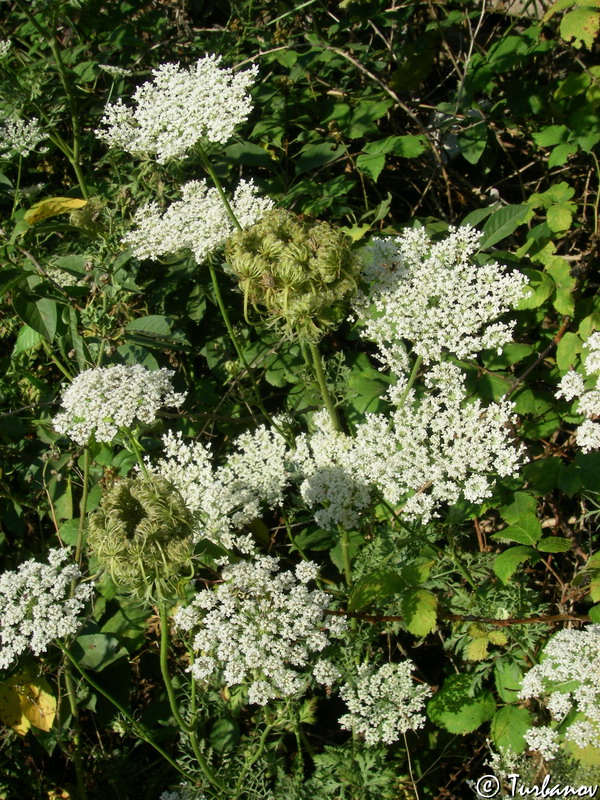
[299,273]
[566,682]
[100,401]
[384,702]
[179,108]
[260,628]
[38,606]
[198,222]
[573,385]
[435,296]
[141,534]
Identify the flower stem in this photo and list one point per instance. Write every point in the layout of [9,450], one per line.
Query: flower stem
[136,727]
[412,378]
[83,505]
[77,760]
[184,727]
[218,186]
[322,381]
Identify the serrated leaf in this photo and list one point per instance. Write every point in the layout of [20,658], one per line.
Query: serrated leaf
[419,609]
[40,315]
[476,649]
[540,288]
[526,530]
[554,544]
[560,271]
[502,223]
[508,677]
[551,135]
[523,504]
[375,587]
[568,349]
[507,562]
[595,588]
[560,216]
[595,613]
[580,25]
[559,156]
[498,637]
[371,164]
[38,704]
[509,726]
[27,339]
[456,710]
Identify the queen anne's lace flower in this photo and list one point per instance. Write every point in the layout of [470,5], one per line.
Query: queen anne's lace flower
[383,702]
[572,385]
[37,605]
[100,401]
[225,498]
[178,108]
[198,222]
[435,296]
[567,680]
[260,628]
[19,138]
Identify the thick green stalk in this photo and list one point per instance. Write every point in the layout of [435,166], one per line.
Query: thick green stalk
[412,378]
[135,726]
[76,738]
[322,381]
[184,727]
[218,186]
[83,505]
[259,751]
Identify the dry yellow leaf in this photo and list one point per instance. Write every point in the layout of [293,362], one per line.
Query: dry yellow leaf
[25,704]
[52,206]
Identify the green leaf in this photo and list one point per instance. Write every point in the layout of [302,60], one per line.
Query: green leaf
[502,223]
[456,709]
[375,587]
[560,216]
[554,544]
[523,505]
[527,530]
[316,155]
[580,25]
[560,271]
[507,562]
[472,142]
[355,540]
[509,726]
[224,735]
[594,613]
[507,677]
[248,153]
[543,475]
[28,339]
[582,473]
[540,288]
[40,315]
[156,327]
[551,135]
[558,157]
[371,165]
[568,348]
[96,651]
[315,539]
[419,608]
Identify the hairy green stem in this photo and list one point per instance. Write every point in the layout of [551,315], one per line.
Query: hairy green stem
[218,186]
[346,558]
[83,505]
[136,727]
[259,751]
[184,727]
[322,381]
[412,378]
[17,187]
[76,738]
[135,446]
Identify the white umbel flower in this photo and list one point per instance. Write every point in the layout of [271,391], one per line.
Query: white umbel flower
[100,401]
[198,222]
[179,108]
[383,702]
[572,385]
[567,680]
[37,606]
[19,138]
[435,296]
[261,627]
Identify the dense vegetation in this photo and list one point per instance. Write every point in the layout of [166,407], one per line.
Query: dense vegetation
[407,427]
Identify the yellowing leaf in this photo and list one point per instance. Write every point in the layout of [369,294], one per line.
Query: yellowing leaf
[38,705]
[497,637]
[52,206]
[476,649]
[11,713]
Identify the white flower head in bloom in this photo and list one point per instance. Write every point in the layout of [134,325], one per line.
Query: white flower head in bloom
[198,222]
[5,45]
[184,792]
[178,108]
[100,401]
[261,627]
[384,702]
[36,605]
[225,498]
[572,385]
[435,296]
[567,680]
[19,138]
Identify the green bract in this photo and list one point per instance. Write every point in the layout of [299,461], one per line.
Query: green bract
[301,273]
[141,535]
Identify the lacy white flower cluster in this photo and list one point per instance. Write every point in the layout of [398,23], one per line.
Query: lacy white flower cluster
[178,108]
[5,45]
[383,702]
[100,401]
[572,385]
[567,679]
[198,222]
[260,627]
[225,498]
[184,792]
[36,605]
[19,138]
[434,296]
[433,450]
